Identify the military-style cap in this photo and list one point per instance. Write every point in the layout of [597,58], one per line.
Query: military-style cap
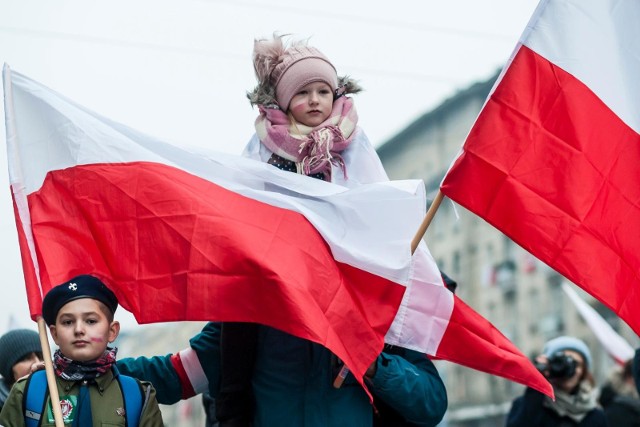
[84,286]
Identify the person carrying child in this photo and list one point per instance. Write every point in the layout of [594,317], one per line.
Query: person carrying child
[260,376]
[80,314]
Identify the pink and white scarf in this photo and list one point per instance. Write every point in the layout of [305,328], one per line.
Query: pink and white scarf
[315,149]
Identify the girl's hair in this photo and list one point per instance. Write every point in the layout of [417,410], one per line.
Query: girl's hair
[294,123]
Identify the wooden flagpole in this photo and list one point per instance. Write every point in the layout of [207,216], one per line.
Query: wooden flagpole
[426,221]
[51,379]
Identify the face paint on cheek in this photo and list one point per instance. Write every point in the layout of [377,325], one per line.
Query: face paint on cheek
[298,107]
[98,340]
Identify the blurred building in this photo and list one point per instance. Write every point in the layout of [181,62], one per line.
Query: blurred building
[158,340]
[519,294]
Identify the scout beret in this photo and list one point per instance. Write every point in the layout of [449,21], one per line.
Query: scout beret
[84,286]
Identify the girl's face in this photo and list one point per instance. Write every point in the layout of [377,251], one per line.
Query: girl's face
[82,330]
[312,104]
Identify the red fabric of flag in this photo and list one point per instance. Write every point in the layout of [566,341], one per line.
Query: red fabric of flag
[550,165]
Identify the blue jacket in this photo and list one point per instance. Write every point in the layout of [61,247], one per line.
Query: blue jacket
[293,379]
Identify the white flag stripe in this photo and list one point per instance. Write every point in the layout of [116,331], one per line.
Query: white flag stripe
[594,41]
[615,345]
[426,307]
[16,175]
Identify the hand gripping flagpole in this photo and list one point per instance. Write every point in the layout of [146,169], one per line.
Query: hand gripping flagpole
[344,371]
[12,150]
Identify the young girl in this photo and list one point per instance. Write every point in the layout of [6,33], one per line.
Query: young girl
[308,125]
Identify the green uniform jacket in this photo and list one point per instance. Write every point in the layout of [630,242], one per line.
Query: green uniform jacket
[106,403]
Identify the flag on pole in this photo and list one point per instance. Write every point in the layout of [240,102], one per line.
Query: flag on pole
[552,160]
[614,344]
[182,234]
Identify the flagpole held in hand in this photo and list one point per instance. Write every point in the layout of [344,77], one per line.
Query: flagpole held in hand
[344,371]
[51,379]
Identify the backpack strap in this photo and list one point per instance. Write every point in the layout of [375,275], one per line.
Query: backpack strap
[133,397]
[35,398]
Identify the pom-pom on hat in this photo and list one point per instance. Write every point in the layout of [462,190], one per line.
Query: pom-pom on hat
[283,70]
[84,286]
[15,345]
[568,343]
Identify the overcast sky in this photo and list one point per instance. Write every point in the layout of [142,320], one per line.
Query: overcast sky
[179,70]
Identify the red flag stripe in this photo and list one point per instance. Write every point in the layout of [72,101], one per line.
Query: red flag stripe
[123,221]
[477,333]
[542,131]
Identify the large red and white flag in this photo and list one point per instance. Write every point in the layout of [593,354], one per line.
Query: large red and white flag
[552,160]
[182,234]
[614,344]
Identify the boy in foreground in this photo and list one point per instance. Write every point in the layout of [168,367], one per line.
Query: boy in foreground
[92,392]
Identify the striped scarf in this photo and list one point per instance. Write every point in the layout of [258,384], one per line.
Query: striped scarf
[72,370]
[315,149]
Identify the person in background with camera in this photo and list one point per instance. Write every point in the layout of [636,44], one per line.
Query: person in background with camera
[566,363]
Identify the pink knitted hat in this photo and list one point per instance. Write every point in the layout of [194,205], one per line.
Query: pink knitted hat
[283,70]
[300,66]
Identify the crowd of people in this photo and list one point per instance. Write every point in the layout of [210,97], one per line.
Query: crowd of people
[254,375]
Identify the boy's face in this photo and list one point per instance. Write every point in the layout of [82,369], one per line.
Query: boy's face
[82,330]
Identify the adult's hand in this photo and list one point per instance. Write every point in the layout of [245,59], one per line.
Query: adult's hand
[37,366]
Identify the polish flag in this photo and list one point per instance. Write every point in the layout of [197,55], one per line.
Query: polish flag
[182,234]
[614,344]
[552,160]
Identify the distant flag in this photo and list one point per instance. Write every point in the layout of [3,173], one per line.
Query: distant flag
[552,160]
[189,235]
[614,344]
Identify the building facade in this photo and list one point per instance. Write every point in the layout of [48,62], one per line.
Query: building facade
[519,294]
[158,340]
